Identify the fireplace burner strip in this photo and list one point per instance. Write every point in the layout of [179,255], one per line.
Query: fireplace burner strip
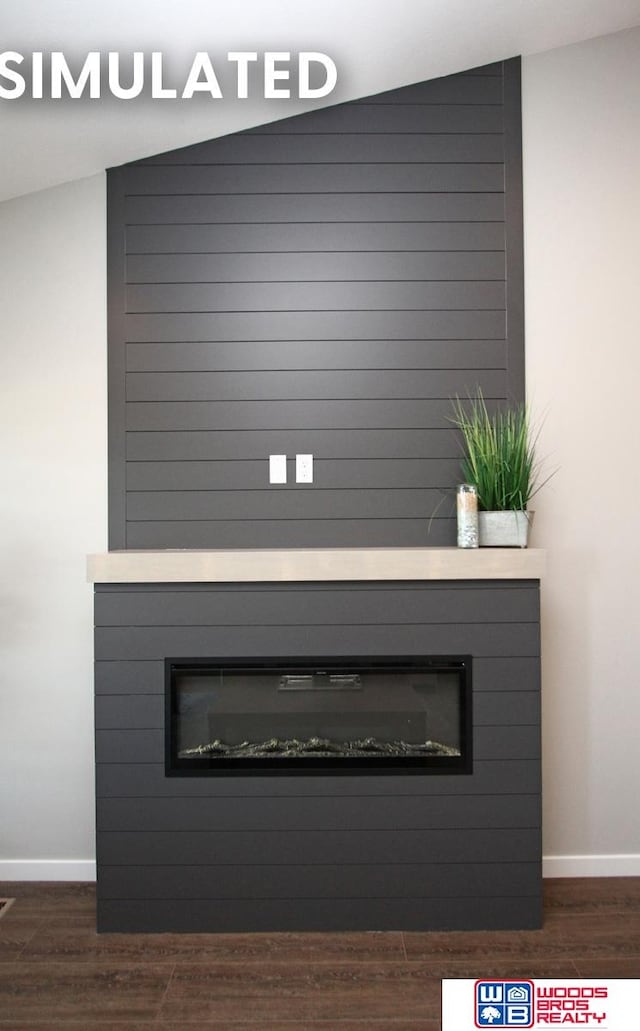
[316,746]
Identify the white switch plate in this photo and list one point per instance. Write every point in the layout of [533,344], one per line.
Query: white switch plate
[277,468]
[304,468]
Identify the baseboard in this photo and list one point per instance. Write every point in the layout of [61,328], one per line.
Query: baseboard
[47,869]
[624,865]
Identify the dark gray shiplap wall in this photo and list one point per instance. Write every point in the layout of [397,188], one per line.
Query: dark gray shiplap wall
[261,853]
[322,284]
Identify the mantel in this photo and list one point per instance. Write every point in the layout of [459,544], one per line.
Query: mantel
[318,564]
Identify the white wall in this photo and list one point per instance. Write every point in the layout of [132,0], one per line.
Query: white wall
[582,221]
[581,129]
[52,512]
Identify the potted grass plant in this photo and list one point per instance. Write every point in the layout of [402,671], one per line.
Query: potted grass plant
[500,461]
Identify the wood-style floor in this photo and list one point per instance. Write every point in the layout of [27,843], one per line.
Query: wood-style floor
[56,972]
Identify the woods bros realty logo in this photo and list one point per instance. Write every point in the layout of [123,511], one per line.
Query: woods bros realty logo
[613,1004]
[274,75]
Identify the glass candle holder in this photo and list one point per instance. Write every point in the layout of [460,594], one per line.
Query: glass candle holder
[467,512]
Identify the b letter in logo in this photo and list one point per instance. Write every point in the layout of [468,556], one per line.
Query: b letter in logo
[504,1004]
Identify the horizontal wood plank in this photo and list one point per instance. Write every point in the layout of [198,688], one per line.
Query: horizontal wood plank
[309,606]
[390,118]
[315,237]
[480,639]
[311,503]
[252,355]
[452,177]
[330,881]
[290,533]
[343,414]
[302,385]
[317,814]
[253,475]
[224,297]
[328,147]
[301,848]
[273,267]
[325,325]
[330,444]
[237,915]
[147,780]
[178,209]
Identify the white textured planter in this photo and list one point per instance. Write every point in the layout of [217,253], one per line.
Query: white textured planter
[504,529]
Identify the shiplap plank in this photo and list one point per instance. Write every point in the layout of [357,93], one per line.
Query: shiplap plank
[351,413]
[227,505]
[344,847]
[224,297]
[254,474]
[327,148]
[361,914]
[411,639]
[148,780]
[323,532]
[390,118]
[316,814]
[282,355]
[315,237]
[452,177]
[384,266]
[507,708]
[131,678]
[322,325]
[306,606]
[176,209]
[299,386]
[338,444]
[331,881]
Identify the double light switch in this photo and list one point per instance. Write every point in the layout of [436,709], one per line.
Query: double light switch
[278,468]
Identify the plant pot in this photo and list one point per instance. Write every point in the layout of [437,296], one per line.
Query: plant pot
[504,529]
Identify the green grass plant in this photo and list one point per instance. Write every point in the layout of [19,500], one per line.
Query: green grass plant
[500,454]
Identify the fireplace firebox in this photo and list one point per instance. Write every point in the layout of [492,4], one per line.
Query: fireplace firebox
[305,715]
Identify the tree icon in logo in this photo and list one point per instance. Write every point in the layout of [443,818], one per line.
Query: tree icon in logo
[489,1013]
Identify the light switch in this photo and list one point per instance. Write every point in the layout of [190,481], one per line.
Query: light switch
[277,468]
[304,468]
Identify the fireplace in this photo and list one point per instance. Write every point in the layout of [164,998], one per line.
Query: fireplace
[307,715]
[318,842]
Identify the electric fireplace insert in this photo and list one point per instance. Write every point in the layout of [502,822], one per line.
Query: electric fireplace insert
[306,715]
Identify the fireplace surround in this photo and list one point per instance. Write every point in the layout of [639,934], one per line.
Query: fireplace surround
[333,851]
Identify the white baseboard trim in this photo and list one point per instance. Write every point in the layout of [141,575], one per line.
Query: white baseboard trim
[47,869]
[624,865]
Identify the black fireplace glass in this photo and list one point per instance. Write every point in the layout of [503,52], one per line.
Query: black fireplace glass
[314,715]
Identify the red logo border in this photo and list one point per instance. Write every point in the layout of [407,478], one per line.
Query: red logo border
[504,980]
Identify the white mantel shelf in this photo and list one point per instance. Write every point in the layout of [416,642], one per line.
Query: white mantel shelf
[317,564]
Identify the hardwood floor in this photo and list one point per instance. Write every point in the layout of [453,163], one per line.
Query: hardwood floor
[56,972]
